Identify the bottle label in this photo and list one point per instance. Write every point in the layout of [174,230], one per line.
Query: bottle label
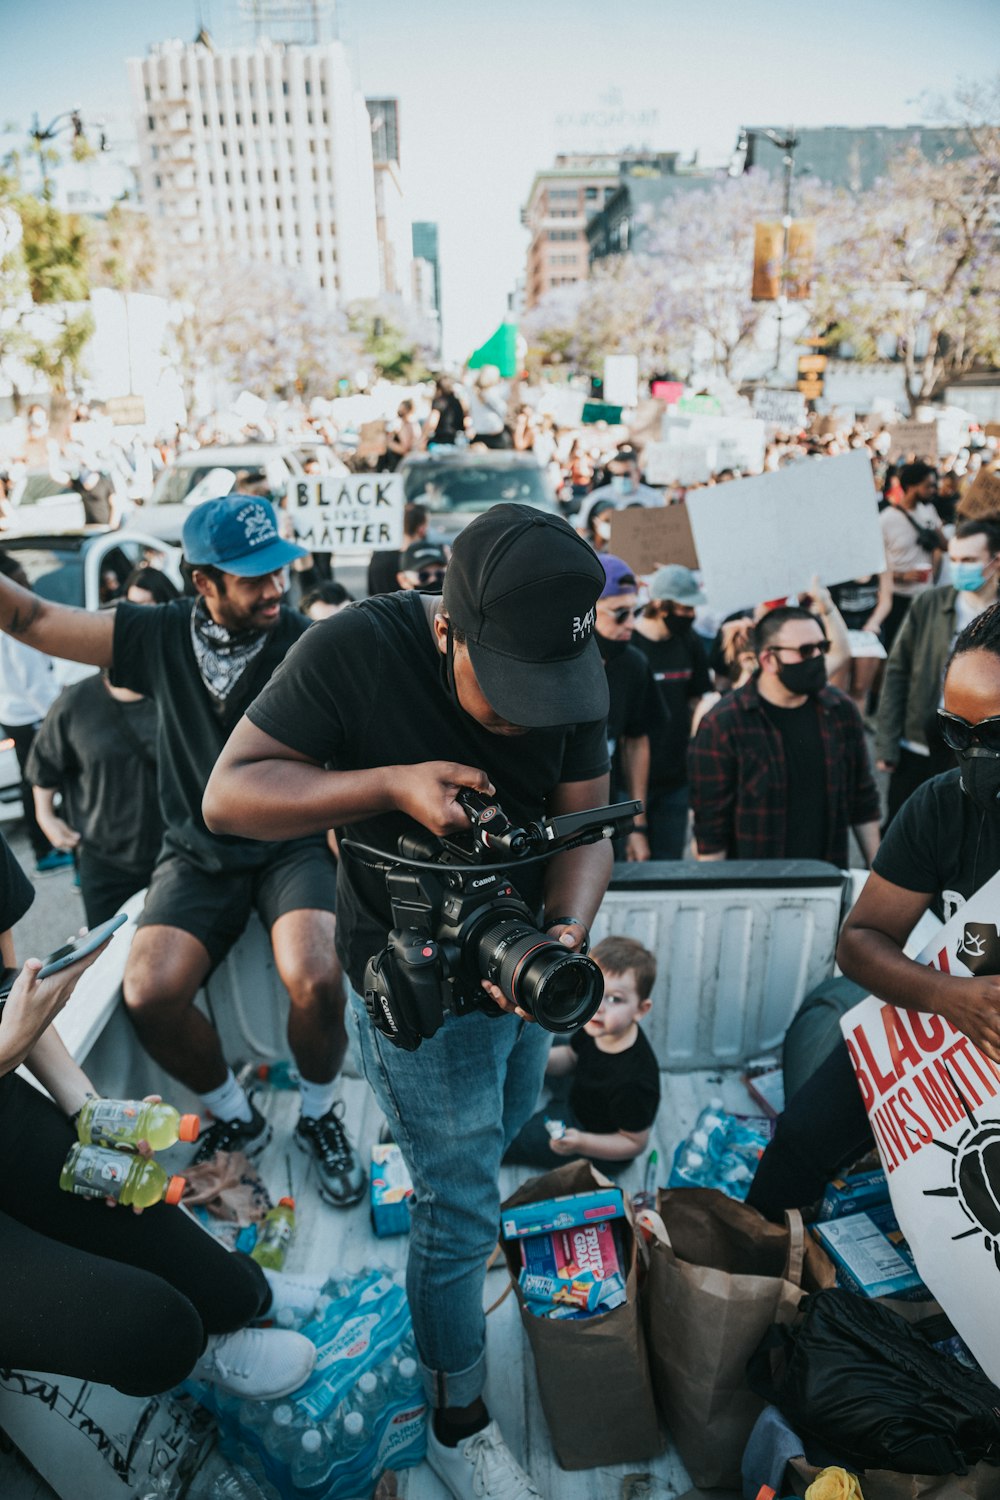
[110,1121]
[98,1173]
[276,1236]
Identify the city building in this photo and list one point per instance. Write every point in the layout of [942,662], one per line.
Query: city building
[846,156]
[561,200]
[644,186]
[260,153]
[426,267]
[384,115]
[392,224]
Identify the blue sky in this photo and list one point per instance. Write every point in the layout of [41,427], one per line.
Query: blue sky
[482,87]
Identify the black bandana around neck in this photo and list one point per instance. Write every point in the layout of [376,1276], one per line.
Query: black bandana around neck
[221,656]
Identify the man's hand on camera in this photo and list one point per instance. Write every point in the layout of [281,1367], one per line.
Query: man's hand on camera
[571,935]
[428,792]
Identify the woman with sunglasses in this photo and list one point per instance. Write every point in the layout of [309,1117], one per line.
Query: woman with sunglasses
[943,845]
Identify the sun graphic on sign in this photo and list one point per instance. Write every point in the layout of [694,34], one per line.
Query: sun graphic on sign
[975,1177]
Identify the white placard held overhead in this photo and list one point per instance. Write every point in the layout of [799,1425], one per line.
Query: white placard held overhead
[677,463]
[349,512]
[765,537]
[738,441]
[621,379]
[784,409]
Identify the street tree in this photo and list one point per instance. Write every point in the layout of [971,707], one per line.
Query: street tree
[395,339]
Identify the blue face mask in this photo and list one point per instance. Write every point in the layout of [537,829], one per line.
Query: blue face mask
[622,484]
[968,577]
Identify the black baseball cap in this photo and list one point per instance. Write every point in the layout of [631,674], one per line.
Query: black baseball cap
[522,587]
[422,555]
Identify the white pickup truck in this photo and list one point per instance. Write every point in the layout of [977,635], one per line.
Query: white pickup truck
[738,946]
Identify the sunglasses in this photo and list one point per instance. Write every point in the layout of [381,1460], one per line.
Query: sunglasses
[426,576]
[810,649]
[626,612]
[959,734]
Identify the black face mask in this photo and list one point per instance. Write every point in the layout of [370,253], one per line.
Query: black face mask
[679,625]
[980,778]
[807,676]
[610,650]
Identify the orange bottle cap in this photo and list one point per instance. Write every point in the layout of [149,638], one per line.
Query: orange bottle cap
[188,1127]
[175,1190]
[286,1202]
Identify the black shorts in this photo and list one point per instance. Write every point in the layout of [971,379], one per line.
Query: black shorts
[214,907]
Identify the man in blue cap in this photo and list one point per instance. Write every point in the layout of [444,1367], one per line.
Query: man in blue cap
[203,662]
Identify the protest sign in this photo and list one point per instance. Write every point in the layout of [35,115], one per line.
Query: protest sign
[348,513]
[785,409]
[621,379]
[250,407]
[765,537]
[933,1102]
[648,538]
[678,463]
[738,441]
[982,498]
[866,643]
[126,411]
[670,391]
[371,440]
[909,440]
[991,430]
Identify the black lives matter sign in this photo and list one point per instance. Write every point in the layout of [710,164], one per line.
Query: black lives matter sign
[349,512]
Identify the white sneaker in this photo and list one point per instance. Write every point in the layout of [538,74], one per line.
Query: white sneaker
[481,1467]
[257,1364]
[294,1294]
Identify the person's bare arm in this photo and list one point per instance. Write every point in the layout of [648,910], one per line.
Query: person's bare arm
[262,789]
[882,608]
[58,832]
[635,769]
[869,837]
[871,953]
[619,1145]
[58,1074]
[76,634]
[575,882]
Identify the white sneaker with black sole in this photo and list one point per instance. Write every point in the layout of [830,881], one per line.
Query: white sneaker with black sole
[480,1467]
[257,1364]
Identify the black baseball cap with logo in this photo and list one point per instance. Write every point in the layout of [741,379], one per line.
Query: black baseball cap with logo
[522,587]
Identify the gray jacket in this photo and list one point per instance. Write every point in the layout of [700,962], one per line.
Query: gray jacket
[914,673]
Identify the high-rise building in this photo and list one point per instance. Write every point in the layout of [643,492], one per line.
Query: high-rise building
[259,153]
[425,250]
[561,200]
[392,222]
[384,115]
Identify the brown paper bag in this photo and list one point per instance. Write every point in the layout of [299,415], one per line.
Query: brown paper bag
[719,1276]
[981,1483]
[595,1365]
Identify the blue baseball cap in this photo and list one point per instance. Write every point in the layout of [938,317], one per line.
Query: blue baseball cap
[619,577]
[238,534]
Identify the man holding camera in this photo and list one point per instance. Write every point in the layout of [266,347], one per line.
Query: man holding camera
[377,723]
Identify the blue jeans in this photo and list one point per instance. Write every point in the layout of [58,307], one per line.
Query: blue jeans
[667,816]
[454,1107]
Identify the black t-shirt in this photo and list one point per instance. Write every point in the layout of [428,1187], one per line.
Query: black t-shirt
[805,778]
[633,708]
[382,572]
[101,754]
[368,688]
[153,655]
[680,671]
[614,1090]
[96,500]
[451,420]
[16,890]
[940,843]
[856,600]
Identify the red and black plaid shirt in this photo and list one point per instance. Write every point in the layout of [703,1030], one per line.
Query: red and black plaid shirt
[736,768]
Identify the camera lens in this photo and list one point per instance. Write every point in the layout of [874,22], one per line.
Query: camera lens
[562,990]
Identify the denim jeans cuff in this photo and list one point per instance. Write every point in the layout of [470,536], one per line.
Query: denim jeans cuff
[459,1389]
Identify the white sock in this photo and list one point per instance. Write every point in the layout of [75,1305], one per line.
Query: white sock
[317,1098]
[229,1100]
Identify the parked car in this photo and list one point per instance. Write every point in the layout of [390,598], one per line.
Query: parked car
[208,473]
[85,569]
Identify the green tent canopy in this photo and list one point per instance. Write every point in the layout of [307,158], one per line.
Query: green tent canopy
[500,349]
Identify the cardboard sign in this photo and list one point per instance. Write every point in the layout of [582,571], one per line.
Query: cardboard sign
[650,538]
[865,643]
[126,411]
[678,463]
[250,407]
[982,498]
[348,513]
[991,430]
[785,409]
[371,440]
[738,441]
[621,379]
[911,440]
[671,391]
[933,1101]
[765,537]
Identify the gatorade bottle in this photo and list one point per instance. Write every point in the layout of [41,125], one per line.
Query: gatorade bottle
[126,1122]
[275,1236]
[278,1075]
[96,1172]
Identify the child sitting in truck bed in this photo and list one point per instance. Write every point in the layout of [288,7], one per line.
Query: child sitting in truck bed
[606,1081]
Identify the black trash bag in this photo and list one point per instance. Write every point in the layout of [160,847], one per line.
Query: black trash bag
[866,1384]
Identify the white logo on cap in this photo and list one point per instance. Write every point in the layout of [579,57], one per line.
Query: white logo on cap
[257,525]
[585,626]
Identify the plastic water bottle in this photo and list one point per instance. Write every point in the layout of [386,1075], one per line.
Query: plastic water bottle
[367,1397]
[278,1075]
[275,1236]
[126,1122]
[711,1117]
[318,1454]
[690,1167]
[96,1172]
[405,1383]
[284,1432]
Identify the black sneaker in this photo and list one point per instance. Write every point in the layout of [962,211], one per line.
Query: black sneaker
[249,1136]
[342,1179]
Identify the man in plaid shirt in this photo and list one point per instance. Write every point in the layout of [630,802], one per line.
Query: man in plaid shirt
[780,769]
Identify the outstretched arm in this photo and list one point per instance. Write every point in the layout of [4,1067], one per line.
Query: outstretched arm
[77,634]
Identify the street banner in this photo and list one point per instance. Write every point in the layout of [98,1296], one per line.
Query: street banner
[982,498]
[738,441]
[348,512]
[621,379]
[768,247]
[784,409]
[649,538]
[801,259]
[933,1101]
[765,537]
[678,463]
[911,440]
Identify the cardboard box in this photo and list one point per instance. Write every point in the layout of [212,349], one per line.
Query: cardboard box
[548,1214]
[855,1194]
[390,1190]
[871,1256]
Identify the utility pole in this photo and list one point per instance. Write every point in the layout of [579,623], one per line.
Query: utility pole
[787,144]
